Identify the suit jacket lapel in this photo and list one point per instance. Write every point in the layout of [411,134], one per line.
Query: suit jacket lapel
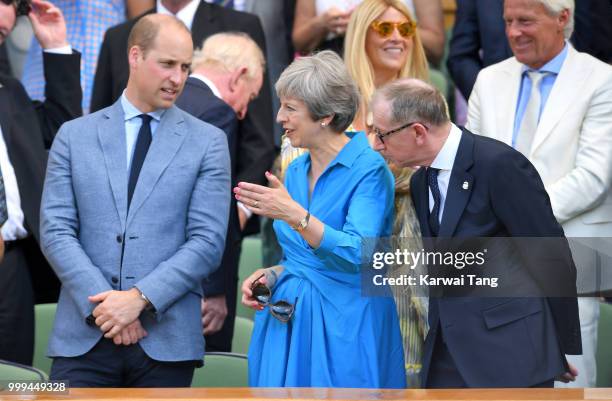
[564,93]
[5,114]
[167,140]
[111,133]
[459,187]
[505,113]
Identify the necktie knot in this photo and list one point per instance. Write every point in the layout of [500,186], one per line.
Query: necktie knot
[536,78]
[146,119]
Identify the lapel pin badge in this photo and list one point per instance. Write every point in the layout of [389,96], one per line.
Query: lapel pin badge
[465,185]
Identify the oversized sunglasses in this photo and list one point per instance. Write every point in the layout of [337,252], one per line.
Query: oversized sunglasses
[23,7]
[385,29]
[281,310]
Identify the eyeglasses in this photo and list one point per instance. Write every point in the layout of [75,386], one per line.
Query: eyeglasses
[385,29]
[381,135]
[23,7]
[281,310]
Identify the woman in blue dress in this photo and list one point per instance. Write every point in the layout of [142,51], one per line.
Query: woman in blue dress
[317,330]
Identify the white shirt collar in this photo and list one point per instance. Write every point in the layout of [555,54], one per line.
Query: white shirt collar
[185,14]
[446,157]
[208,83]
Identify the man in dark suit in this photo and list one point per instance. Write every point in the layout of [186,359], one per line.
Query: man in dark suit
[26,130]
[227,74]
[479,37]
[469,186]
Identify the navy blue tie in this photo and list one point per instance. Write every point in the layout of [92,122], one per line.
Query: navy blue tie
[140,153]
[3,208]
[434,214]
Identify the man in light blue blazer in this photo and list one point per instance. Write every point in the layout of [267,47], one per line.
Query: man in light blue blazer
[133,218]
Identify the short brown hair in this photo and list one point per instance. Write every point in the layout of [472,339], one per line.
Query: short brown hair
[145,30]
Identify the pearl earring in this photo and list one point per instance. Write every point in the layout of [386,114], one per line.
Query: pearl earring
[323,124]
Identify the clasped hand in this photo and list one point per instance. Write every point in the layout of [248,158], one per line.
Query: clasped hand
[117,315]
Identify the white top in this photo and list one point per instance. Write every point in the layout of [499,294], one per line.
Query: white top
[445,161]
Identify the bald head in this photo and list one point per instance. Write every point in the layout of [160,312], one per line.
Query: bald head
[146,30]
[413,100]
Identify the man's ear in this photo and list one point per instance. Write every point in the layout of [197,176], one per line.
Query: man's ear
[238,74]
[420,133]
[563,19]
[134,54]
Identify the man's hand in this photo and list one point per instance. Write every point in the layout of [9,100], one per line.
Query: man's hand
[568,376]
[116,310]
[131,334]
[48,25]
[214,311]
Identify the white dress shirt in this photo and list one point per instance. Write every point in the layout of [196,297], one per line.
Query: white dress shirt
[444,161]
[185,14]
[14,227]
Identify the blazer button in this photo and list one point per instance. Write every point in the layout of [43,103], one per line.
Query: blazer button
[115,280]
[119,239]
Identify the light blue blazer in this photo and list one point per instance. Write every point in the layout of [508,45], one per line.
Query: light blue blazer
[174,232]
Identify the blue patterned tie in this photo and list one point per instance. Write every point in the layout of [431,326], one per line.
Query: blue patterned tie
[434,214]
[224,3]
[140,153]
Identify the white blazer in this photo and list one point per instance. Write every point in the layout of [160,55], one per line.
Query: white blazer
[572,148]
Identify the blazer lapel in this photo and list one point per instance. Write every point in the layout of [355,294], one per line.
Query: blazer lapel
[459,187]
[564,93]
[111,133]
[510,84]
[5,113]
[167,140]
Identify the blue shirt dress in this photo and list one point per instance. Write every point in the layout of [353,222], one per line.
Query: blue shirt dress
[336,337]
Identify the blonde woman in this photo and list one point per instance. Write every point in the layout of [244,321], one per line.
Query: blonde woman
[382,44]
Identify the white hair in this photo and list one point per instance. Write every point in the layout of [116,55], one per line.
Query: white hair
[229,51]
[554,8]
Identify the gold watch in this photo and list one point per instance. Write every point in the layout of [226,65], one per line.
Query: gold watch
[302,224]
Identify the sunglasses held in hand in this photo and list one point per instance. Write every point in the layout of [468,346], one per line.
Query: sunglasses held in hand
[281,310]
[385,29]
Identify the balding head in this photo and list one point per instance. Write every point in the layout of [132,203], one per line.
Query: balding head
[160,53]
[413,100]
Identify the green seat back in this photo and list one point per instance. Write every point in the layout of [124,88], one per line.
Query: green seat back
[14,372]
[243,328]
[604,346]
[250,260]
[44,314]
[222,369]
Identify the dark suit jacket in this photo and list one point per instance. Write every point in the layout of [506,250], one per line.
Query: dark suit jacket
[513,341]
[28,129]
[198,100]
[479,37]
[5,66]
[255,131]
